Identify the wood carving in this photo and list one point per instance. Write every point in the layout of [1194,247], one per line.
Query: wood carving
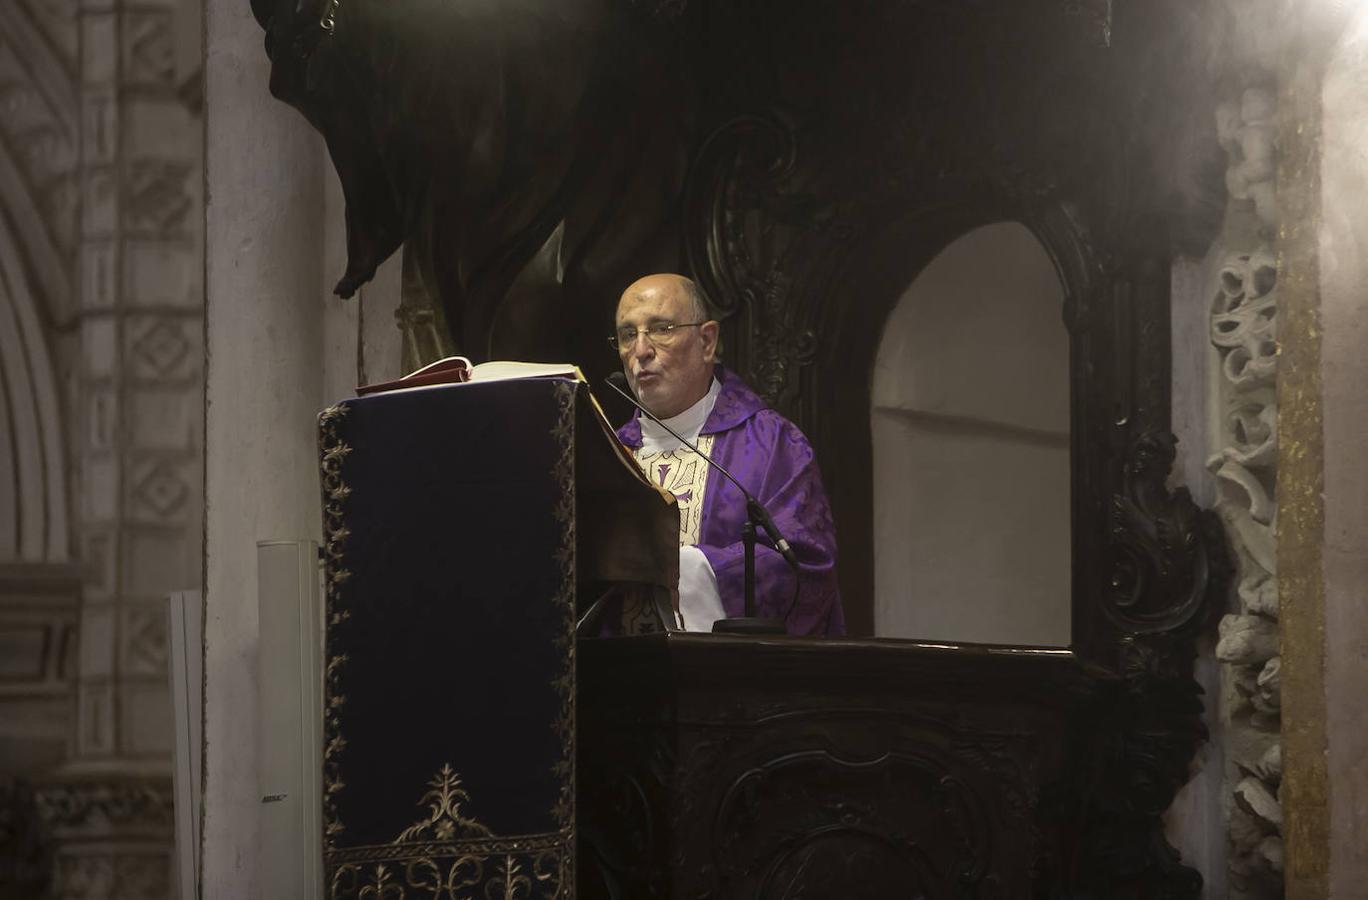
[1135,740]
[1166,550]
[753,237]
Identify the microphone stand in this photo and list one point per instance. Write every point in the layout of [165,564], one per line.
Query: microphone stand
[756,513]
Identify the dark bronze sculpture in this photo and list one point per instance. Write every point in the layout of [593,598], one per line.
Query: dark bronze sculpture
[803,161]
[525,154]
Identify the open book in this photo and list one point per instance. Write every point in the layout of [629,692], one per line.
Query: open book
[634,542]
[458,370]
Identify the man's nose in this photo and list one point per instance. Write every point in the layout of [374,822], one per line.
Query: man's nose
[642,348]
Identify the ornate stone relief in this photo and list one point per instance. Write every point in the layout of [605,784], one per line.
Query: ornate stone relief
[103,839]
[98,806]
[39,127]
[116,877]
[1244,331]
[100,160]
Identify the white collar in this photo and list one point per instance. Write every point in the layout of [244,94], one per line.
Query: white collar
[689,423]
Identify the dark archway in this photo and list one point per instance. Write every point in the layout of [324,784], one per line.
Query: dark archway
[970,423]
[854,321]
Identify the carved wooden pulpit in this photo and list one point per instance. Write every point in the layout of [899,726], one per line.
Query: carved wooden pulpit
[803,163]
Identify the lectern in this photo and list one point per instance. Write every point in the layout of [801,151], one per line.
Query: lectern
[462,523]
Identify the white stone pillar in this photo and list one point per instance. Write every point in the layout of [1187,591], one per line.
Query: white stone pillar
[1196,821]
[1344,386]
[264,282]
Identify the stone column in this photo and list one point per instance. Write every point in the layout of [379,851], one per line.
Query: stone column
[40,582]
[134,412]
[280,347]
[1344,392]
[1323,469]
[264,283]
[141,320]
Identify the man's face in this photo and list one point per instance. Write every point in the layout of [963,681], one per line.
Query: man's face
[673,373]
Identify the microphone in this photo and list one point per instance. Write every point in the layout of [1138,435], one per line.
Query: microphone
[754,508]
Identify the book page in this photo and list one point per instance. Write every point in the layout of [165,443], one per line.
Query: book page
[508,370]
[446,362]
[511,370]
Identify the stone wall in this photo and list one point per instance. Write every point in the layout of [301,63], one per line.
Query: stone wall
[1287,322]
[100,261]
[281,347]
[1344,376]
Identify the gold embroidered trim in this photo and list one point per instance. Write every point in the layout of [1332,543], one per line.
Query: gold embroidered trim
[333,453]
[449,855]
[490,846]
[684,474]
[465,862]
[444,822]
[564,600]
[511,876]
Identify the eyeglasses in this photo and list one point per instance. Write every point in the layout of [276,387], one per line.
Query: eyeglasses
[659,334]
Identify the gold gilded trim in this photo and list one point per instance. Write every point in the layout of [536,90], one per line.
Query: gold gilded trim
[1301,509]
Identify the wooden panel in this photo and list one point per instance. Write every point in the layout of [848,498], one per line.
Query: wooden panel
[724,767]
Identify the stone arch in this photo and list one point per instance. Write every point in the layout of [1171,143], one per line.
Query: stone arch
[33,506]
[39,137]
[38,140]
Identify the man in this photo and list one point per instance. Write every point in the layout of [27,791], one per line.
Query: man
[668,346]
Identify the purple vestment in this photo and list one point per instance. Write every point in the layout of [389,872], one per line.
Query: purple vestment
[771,457]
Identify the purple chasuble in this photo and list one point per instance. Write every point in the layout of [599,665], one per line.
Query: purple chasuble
[771,457]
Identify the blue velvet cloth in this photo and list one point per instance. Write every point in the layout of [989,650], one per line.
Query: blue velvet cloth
[450,549]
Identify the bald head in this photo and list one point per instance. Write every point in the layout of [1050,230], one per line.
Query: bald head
[673,369]
[670,284]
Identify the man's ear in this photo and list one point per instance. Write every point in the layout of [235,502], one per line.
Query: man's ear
[709,330]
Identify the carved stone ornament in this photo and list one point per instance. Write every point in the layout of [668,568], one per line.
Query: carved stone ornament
[99,805]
